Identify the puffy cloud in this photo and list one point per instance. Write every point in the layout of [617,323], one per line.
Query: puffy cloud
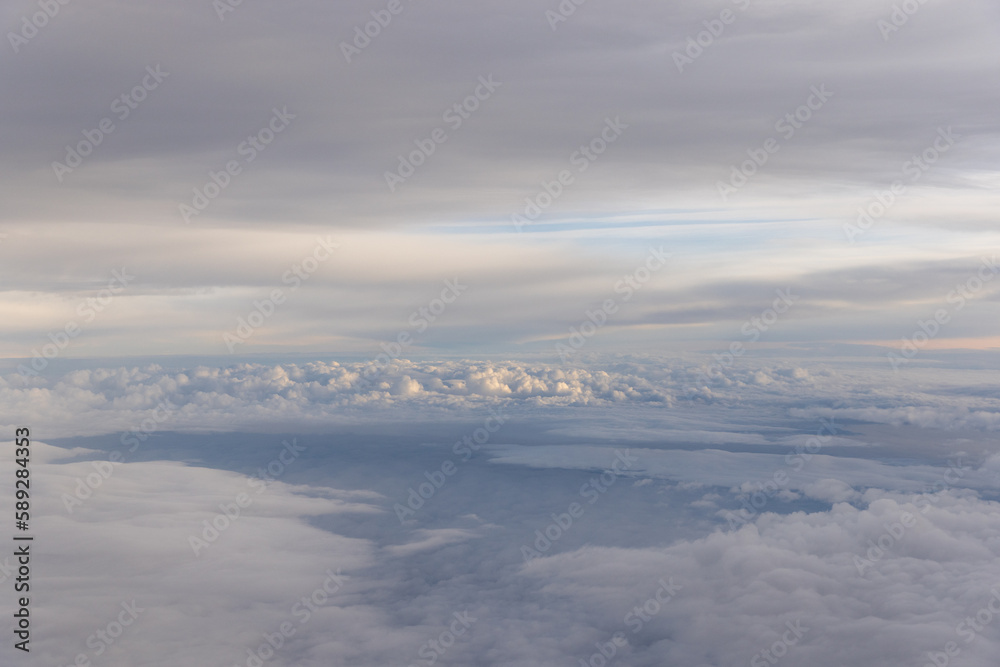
[152,398]
[689,395]
[856,602]
[888,577]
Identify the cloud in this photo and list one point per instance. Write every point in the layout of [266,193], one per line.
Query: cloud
[353,120]
[149,399]
[828,546]
[739,589]
[325,174]
[431,539]
[793,496]
[889,577]
[819,476]
[129,541]
[648,393]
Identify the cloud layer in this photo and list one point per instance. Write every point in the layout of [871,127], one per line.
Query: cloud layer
[903,107]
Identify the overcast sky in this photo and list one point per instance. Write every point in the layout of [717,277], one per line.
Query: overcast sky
[308,254]
[679,108]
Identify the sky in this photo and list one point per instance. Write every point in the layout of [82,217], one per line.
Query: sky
[515,334]
[896,123]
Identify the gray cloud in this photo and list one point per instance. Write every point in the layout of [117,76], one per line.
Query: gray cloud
[354,119]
